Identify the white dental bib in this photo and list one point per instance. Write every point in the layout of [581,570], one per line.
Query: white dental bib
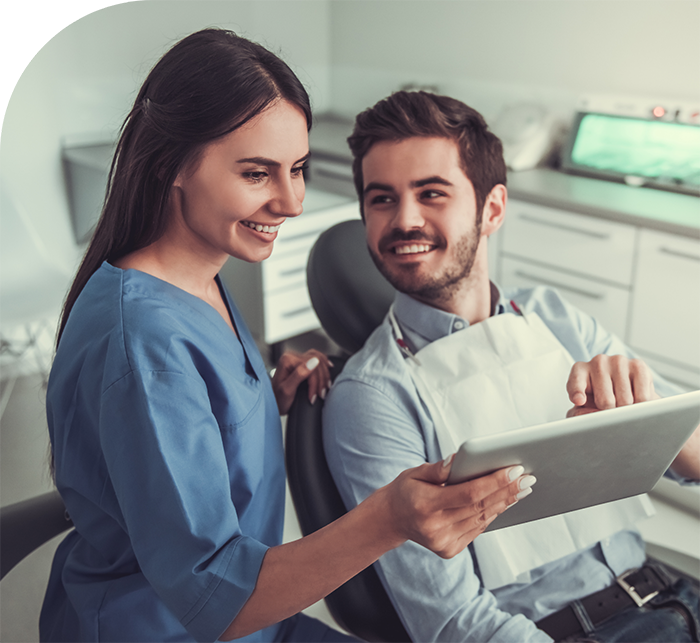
[500,374]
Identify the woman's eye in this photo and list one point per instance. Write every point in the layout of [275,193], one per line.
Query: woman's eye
[255,176]
[299,171]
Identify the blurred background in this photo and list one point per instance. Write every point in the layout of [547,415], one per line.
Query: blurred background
[534,68]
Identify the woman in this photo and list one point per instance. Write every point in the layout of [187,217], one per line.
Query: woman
[164,424]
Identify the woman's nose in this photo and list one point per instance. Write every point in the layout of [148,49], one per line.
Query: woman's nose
[289,197]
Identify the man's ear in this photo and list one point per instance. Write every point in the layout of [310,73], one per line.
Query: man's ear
[494,210]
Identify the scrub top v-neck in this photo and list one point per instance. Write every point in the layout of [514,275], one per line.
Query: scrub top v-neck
[168,454]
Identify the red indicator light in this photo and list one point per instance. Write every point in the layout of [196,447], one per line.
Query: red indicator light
[658,111]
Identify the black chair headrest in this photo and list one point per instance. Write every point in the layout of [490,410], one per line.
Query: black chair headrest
[348,293]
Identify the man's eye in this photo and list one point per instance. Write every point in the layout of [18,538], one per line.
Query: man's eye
[431,194]
[380,199]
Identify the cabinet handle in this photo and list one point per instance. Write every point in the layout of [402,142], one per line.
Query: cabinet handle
[292,271]
[555,284]
[677,253]
[297,311]
[563,226]
[330,174]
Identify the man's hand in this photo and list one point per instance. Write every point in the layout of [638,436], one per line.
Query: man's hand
[607,382]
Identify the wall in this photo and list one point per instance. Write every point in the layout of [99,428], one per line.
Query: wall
[81,83]
[492,52]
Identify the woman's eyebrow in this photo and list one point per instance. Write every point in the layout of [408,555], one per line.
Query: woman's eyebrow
[263,160]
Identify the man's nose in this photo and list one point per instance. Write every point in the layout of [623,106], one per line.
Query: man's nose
[408,215]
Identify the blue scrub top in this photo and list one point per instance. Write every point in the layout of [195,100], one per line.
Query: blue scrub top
[169,457]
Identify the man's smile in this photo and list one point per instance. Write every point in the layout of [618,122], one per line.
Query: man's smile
[414,248]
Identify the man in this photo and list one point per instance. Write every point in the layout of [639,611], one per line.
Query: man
[432,187]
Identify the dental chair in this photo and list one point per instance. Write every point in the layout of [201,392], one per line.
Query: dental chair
[26,525]
[350,298]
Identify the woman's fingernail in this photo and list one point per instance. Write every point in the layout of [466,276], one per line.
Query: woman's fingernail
[313,400]
[323,394]
[515,472]
[523,493]
[526,482]
[448,461]
[312,363]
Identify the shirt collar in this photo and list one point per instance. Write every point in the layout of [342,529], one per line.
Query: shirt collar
[423,324]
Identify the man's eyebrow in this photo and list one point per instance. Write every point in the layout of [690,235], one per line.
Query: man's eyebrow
[419,183]
[429,181]
[262,160]
[377,186]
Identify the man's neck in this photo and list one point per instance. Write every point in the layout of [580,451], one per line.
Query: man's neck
[471,300]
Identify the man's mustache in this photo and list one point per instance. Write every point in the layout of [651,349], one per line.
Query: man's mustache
[407,235]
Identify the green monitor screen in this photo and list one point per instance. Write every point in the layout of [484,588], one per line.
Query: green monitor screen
[663,153]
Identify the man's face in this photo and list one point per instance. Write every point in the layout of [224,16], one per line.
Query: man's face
[420,214]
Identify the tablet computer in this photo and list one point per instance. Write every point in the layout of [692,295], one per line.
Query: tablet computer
[585,460]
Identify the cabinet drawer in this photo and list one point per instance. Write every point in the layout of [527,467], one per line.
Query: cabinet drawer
[282,273]
[580,244]
[299,234]
[666,303]
[608,304]
[288,313]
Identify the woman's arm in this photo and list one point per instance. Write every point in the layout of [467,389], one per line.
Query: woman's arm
[416,506]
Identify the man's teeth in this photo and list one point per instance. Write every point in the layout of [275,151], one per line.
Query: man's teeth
[413,249]
[261,228]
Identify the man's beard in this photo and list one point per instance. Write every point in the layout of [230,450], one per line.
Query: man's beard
[430,288]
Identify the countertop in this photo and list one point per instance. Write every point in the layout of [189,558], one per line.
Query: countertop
[644,207]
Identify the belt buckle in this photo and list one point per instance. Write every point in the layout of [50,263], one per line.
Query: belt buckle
[631,591]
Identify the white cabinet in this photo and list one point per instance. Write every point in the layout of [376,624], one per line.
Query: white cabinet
[608,304]
[641,284]
[272,295]
[665,321]
[589,261]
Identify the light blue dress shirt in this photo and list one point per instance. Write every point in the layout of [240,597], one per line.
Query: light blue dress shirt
[375,426]
[168,452]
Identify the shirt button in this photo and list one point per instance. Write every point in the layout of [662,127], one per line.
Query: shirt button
[459,325]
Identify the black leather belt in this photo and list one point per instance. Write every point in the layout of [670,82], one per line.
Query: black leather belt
[633,588]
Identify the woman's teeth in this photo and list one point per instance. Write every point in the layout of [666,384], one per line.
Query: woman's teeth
[261,228]
[413,249]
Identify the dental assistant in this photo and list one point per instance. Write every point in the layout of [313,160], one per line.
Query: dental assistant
[164,425]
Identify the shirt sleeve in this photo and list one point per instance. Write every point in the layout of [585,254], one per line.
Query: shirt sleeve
[370,436]
[169,485]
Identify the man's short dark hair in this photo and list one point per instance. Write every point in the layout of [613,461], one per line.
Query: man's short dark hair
[409,114]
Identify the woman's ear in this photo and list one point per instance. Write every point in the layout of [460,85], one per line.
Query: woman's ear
[494,210]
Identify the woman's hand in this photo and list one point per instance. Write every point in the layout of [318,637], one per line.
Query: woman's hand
[293,369]
[416,506]
[446,519]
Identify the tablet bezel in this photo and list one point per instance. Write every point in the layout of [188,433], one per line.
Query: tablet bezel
[585,460]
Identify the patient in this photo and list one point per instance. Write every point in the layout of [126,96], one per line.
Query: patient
[431,181]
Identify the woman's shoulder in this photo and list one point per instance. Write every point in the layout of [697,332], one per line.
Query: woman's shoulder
[132,317]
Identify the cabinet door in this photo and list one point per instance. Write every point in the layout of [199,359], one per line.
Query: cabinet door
[666,299]
[608,304]
[584,245]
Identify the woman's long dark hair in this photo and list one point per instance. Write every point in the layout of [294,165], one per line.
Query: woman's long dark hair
[209,84]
